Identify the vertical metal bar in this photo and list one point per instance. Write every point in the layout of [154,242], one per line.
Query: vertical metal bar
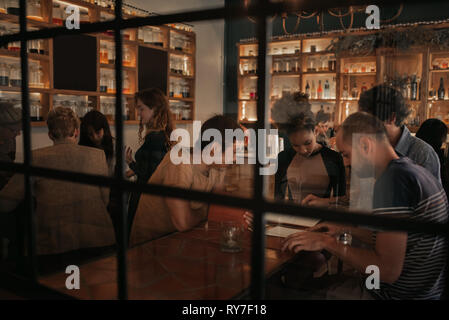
[258,236]
[122,237]
[30,221]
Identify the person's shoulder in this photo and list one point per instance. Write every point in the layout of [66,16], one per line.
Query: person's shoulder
[155,138]
[328,152]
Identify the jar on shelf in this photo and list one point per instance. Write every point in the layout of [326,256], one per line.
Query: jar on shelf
[35,109]
[4,75]
[186,112]
[35,76]
[111,54]
[178,90]
[111,84]
[185,91]
[126,84]
[158,38]
[12,7]
[104,53]
[15,77]
[171,90]
[127,60]
[3,6]
[34,9]
[103,83]
[84,16]
[33,46]
[58,14]
[14,46]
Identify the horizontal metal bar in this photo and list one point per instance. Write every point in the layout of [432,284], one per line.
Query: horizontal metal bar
[228,12]
[385,223]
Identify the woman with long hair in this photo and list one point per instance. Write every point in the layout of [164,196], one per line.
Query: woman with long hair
[155,128]
[96,133]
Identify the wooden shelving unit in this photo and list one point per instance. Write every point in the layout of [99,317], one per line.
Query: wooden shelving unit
[343,75]
[131,42]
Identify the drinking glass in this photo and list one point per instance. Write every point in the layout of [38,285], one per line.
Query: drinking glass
[231,236]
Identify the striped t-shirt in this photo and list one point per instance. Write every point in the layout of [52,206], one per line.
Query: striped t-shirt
[406,190]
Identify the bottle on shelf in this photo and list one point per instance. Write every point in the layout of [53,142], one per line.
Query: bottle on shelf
[104,53]
[308,89]
[345,93]
[127,60]
[327,90]
[363,88]
[4,75]
[319,90]
[126,84]
[355,91]
[15,78]
[414,88]
[313,90]
[103,83]
[441,92]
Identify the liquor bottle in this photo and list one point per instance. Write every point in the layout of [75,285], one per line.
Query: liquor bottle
[345,93]
[354,91]
[308,89]
[319,90]
[414,88]
[363,88]
[313,96]
[327,90]
[441,90]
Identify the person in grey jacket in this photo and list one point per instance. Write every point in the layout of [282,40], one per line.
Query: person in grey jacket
[388,104]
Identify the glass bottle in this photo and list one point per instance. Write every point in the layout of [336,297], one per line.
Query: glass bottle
[4,75]
[126,84]
[319,90]
[327,90]
[171,91]
[35,109]
[111,84]
[103,83]
[104,53]
[34,10]
[127,57]
[15,78]
[308,88]
[355,91]
[111,54]
[345,93]
[441,92]
[414,88]
[58,16]
[13,7]
[313,90]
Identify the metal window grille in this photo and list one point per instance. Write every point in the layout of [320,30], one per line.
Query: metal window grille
[261,9]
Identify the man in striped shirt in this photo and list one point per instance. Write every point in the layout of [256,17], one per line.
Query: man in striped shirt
[412,265]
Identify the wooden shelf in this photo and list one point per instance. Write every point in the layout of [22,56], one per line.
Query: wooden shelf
[283,56]
[112,67]
[81,3]
[248,100]
[31,56]
[319,53]
[439,70]
[322,100]
[358,74]
[19,89]
[74,92]
[318,72]
[30,22]
[152,46]
[286,74]
[181,99]
[176,75]
[180,53]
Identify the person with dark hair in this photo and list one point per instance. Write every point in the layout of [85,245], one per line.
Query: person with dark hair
[10,127]
[315,171]
[411,265]
[434,132]
[96,133]
[388,104]
[157,124]
[157,216]
[322,130]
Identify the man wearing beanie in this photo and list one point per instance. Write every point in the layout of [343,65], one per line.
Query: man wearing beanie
[10,126]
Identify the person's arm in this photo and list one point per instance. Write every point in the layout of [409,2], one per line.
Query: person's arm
[180,214]
[388,254]
[432,163]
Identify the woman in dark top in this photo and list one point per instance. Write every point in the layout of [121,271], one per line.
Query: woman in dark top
[96,133]
[311,173]
[156,123]
[434,132]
